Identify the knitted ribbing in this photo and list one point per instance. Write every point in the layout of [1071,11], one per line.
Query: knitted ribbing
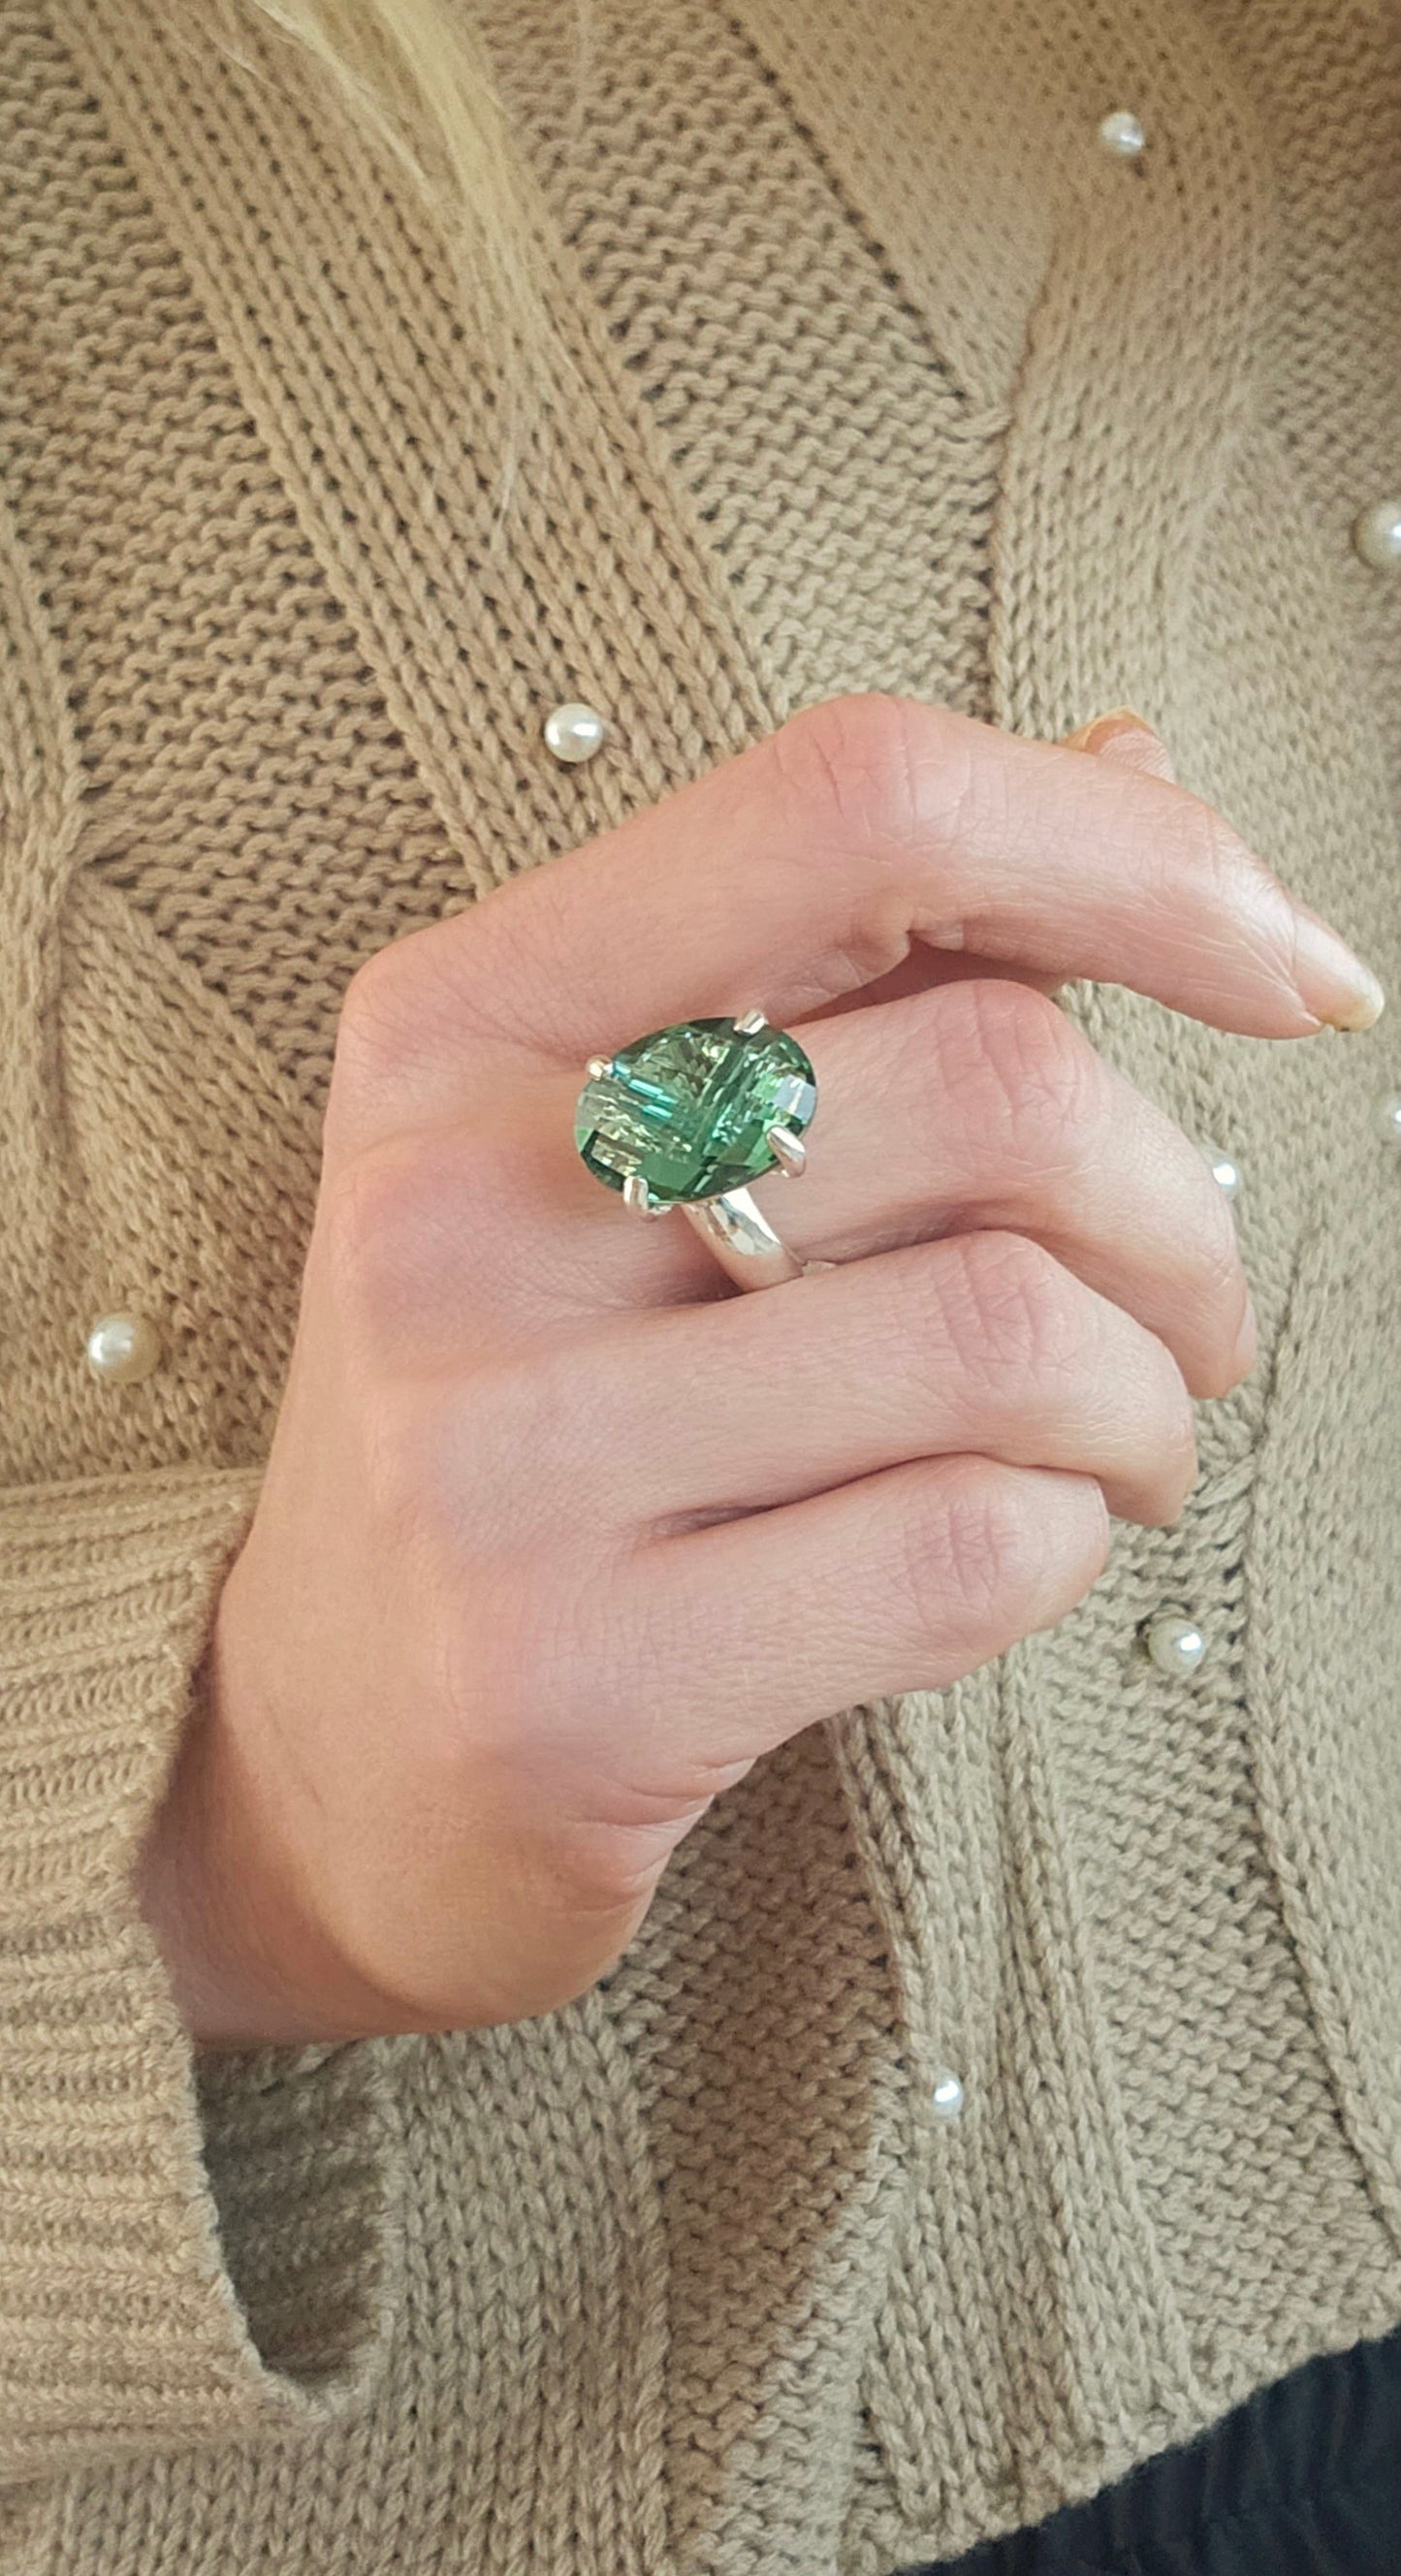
[122,2329]
[688,2277]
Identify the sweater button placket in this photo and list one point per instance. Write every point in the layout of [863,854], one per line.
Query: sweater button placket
[1173,1643]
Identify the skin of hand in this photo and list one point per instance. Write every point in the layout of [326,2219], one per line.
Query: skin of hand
[559,1532]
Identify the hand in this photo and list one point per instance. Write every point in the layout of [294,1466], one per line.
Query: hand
[558,1532]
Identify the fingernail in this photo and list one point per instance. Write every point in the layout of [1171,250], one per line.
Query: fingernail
[1332,981]
[1101,729]
[1248,1342]
[1128,740]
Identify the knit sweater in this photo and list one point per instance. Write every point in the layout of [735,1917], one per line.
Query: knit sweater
[884,373]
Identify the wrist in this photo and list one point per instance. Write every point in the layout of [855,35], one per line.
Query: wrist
[183,1891]
[246,1962]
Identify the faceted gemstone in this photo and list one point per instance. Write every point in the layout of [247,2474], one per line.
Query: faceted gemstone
[689,1108]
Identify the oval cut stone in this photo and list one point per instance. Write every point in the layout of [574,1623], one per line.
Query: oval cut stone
[689,1108]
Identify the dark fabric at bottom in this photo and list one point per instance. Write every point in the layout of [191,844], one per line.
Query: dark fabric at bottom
[1304,2479]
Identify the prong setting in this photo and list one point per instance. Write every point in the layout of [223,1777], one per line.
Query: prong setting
[789,1151]
[691,1112]
[639,1199]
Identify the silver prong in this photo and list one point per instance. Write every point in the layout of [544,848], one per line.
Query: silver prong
[788,1151]
[751,1024]
[596,1067]
[638,1197]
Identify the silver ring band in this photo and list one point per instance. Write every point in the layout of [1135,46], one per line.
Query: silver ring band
[745,1244]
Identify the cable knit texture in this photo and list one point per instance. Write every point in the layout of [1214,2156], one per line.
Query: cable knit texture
[884,375]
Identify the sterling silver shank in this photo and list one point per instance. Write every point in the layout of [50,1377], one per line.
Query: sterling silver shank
[744,1243]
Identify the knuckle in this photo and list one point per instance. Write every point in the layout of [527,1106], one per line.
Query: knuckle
[406,1225]
[1019,1311]
[372,1018]
[414,1004]
[995,1549]
[1034,1081]
[1005,1550]
[855,766]
[379,1042]
[360,1217]
[372,1213]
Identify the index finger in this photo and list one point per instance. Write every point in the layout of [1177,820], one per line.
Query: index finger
[811,864]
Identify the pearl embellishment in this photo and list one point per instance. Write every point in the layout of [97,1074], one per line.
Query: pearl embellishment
[947,2095]
[123,1348]
[575,732]
[1121,133]
[1225,1170]
[1175,1645]
[1377,536]
[1389,1118]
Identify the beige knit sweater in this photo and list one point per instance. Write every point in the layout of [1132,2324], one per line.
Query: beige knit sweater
[891,376]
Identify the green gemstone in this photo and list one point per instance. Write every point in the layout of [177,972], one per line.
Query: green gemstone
[689,1108]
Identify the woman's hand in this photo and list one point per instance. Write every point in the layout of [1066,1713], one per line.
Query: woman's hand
[558,1532]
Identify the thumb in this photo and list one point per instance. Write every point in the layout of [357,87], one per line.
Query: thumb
[1128,740]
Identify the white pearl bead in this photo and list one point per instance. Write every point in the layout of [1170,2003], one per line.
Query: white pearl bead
[1225,1170]
[947,2095]
[1389,1118]
[1376,533]
[575,732]
[123,1348]
[1175,1645]
[1121,133]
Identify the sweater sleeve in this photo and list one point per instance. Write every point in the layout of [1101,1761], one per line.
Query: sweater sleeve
[192,2248]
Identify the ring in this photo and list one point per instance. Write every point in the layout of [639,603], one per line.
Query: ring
[688,1116]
